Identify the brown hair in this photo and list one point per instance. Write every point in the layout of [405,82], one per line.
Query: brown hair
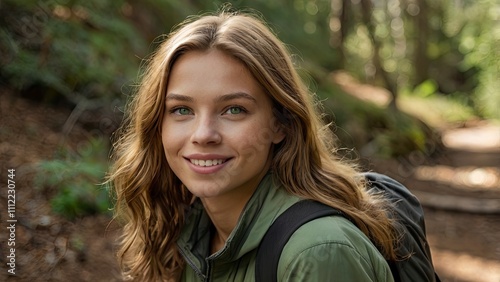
[151,199]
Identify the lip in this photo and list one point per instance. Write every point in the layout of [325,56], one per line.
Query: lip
[205,157]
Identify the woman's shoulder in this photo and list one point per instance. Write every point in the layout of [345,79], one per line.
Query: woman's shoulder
[330,230]
[332,246]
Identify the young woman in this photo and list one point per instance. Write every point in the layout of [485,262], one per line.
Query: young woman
[220,139]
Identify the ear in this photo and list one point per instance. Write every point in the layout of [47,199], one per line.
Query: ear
[279,133]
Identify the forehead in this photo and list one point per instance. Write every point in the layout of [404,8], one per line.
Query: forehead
[212,62]
[211,71]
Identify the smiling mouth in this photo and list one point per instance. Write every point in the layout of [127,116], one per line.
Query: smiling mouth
[206,163]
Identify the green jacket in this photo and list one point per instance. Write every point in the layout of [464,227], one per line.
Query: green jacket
[325,249]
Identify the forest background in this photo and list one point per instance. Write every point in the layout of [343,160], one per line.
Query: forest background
[392,75]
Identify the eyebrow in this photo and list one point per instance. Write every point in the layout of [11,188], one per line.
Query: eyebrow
[236,95]
[179,97]
[221,98]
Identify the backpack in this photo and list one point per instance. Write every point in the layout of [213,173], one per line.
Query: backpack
[408,211]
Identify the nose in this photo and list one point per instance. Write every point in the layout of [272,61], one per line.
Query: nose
[206,131]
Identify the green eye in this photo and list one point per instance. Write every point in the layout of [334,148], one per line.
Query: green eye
[235,110]
[182,111]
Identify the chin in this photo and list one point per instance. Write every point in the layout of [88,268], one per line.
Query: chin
[204,191]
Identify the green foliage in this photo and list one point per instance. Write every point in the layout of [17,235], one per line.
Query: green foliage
[436,110]
[426,88]
[77,50]
[480,45]
[452,43]
[373,130]
[74,179]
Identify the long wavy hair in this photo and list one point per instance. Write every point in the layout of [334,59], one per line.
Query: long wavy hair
[152,201]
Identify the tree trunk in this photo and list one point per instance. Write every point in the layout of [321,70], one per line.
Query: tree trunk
[338,24]
[421,62]
[367,8]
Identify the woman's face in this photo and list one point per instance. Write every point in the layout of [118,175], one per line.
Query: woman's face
[218,126]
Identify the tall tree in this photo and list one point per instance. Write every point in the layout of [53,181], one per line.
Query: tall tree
[421,60]
[390,84]
[339,24]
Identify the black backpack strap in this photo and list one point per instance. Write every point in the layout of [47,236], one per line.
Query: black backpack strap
[276,237]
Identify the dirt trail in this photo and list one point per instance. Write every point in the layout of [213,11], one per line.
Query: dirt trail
[465,232]
[460,191]
[48,247]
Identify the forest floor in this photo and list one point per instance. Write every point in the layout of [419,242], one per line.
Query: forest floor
[459,188]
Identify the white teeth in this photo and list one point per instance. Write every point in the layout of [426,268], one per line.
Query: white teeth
[206,162]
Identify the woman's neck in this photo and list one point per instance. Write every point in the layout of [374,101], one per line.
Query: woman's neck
[225,210]
[224,216]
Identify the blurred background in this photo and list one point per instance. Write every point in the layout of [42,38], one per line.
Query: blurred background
[411,88]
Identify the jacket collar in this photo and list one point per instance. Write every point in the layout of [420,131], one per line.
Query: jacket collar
[267,202]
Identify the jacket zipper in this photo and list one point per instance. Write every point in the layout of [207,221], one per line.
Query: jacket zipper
[193,266]
[210,262]
[209,270]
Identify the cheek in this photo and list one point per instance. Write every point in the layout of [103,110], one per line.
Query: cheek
[262,136]
[164,136]
[254,140]
[171,138]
